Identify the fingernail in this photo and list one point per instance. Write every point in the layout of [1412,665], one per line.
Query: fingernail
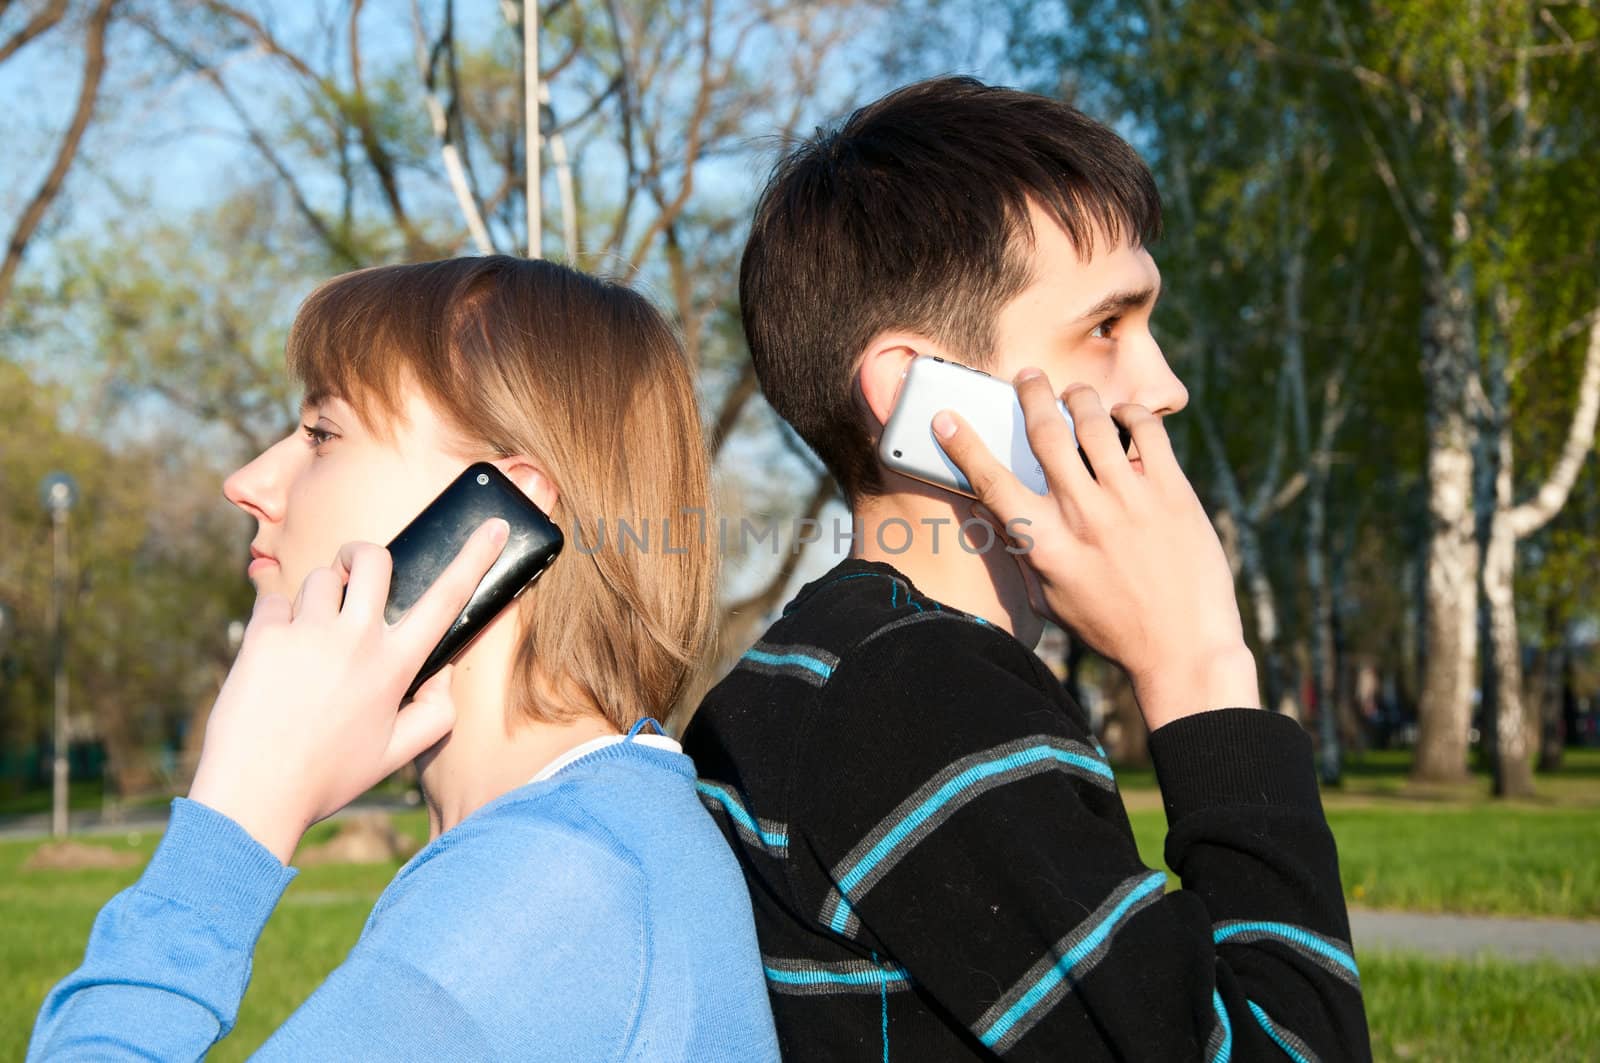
[944,426]
[499,530]
[1028,374]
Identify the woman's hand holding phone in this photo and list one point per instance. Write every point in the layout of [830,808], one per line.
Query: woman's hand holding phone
[309,717]
[1128,562]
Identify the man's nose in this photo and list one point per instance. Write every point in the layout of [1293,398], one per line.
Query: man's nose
[1159,390]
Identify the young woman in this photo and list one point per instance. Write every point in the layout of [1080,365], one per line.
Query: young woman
[576,901]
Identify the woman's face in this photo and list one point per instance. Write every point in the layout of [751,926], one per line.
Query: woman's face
[332,481]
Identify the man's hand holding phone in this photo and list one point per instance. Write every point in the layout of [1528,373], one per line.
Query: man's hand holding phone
[310,716]
[1127,561]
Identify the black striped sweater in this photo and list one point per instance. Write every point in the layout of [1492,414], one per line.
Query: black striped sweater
[941,866]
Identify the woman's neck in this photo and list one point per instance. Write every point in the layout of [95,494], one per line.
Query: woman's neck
[488,754]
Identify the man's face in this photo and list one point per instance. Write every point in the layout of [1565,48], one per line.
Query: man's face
[333,481]
[1088,323]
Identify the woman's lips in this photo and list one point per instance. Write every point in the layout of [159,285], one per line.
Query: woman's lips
[259,565]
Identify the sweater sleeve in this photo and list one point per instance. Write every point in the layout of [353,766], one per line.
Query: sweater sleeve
[513,941]
[510,941]
[168,959]
[962,825]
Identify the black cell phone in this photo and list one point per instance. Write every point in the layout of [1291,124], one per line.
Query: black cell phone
[430,542]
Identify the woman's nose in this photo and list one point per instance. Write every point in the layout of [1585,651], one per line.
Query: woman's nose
[258,487]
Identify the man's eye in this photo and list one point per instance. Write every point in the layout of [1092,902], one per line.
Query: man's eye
[1102,331]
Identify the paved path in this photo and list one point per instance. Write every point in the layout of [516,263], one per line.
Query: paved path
[1565,941]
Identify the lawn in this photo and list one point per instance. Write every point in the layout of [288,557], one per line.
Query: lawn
[1398,849]
[1446,850]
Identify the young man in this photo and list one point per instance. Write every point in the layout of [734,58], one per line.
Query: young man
[940,862]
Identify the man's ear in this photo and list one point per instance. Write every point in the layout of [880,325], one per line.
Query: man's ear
[883,366]
[531,477]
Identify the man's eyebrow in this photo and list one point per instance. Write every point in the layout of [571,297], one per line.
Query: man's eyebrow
[1117,302]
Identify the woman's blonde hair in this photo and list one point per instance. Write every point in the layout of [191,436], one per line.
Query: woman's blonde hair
[584,376]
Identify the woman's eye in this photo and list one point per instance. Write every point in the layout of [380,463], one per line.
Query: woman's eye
[316,436]
[1102,331]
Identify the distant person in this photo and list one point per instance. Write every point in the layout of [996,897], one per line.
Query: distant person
[576,901]
[940,861]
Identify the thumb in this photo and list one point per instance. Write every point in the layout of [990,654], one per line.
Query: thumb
[426,719]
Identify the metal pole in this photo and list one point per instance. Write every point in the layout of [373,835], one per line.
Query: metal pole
[58,804]
[530,89]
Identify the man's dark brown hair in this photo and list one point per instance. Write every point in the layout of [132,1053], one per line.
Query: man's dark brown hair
[913,215]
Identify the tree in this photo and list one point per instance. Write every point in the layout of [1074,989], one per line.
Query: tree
[33,212]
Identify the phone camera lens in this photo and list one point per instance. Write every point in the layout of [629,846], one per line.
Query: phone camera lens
[897,453]
[483,478]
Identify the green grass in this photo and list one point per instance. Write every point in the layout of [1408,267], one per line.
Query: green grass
[47,916]
[1494,861]
[1445,850]
[1466,1011]
[1398,849]
[1419,1009]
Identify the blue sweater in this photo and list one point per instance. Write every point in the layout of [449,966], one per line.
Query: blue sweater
[596,915]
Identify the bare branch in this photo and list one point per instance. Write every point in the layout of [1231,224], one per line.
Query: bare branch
[335,243]
[443,129]
[733,404]
[264,38]
[42,20]
[94,65]
[378,157]
[763,600]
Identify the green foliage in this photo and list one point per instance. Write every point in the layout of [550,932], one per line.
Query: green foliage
[156,563]
[1273,133]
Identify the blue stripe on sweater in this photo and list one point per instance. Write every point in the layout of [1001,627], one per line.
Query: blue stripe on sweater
[950,790]
[1292,1046]
[1293,935]
[730,803]
[778,660]
[1224,1051]
[1062,969]
[875,978]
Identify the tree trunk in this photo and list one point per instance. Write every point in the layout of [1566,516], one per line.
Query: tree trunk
[1322,645]
[1451,597]
[1552,724]
[1513,771]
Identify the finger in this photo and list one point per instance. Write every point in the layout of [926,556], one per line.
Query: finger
[1098,436]
[427,718]
[1149,434]
[271,609]
[1051,436]
[994,484]
[366,568]
[427,620]
[319,595]
[997,528]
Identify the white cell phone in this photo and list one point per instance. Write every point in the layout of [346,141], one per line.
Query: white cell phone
[930,384]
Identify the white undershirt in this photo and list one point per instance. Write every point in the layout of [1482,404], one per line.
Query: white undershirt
[580,751]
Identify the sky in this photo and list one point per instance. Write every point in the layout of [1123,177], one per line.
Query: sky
[164,146]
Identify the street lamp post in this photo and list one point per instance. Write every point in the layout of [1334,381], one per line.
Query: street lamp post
[59,492]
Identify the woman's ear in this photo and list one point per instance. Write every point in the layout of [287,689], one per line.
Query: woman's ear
[882,368]
[531,477]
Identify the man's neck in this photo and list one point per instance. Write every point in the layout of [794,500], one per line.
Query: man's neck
[977,576]
[488,754]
